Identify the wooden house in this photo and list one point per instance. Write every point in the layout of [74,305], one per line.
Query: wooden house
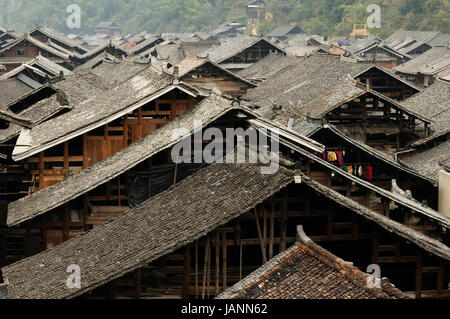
[107,27]
[239,53]
[26,48]
[226,233]
[201,72]
[283,32]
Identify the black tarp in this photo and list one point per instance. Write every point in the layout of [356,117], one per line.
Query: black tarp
[155,181]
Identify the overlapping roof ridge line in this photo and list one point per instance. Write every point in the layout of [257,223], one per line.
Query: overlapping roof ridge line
[349,275]
[58,194]
[147,232]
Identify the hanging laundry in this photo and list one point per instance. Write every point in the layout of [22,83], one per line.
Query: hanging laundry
[369,173]
[332,157]
[340,158]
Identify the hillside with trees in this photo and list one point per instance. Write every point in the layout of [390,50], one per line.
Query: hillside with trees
[326,17]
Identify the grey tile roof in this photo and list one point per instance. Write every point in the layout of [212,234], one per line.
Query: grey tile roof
[51,68]
[421,36]
[118,71]
[171,52]
[433,102]
[302,82]
[268,66]
[208,110]
[158,227]
[11,90]
[431,62]
[283,30]
[442,40]
[345,91]
[76,88]
[428,163]
[53,34]
[231,47]
[89,114]
[149,42]
[37,43]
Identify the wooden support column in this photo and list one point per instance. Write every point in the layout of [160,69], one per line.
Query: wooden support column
[138,284]
[44,232]
[85,213]
[364,107]
[209,267]
[27,241]
[440,278]
[196,269]
[419,275]
[283,224]
[265,229]
[375,247]
[205,265]
[217,277]
[41,170]
[187,272]
[85,152]
[66,155]
[125,131]
[272,229]
[112,291]
[330,224]
[66,218]
[260,236]
[240,259]
[224,257]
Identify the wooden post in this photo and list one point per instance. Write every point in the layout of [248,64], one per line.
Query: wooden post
[175,173]
[272,229]
[240,259]
[260,236]
[66,155]
[216,243]
[85,152]
[283,224]
[265,230]
[125,131]
[330,224]
[187,272]
[41,170]
[419,275]
[375,247]
[112,290]
[85,213]
[209,267]
[119,192]
[196,269]
[224,254]
[66,222]
[137,284]
[44,232]
[205,264]
[440,279]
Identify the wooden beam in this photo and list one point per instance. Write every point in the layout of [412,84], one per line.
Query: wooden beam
[283,222]
[419,275]
[187,272]
[272,229]
[138,284]
[224,257]
[260,236]
[205,265]
[216,244]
